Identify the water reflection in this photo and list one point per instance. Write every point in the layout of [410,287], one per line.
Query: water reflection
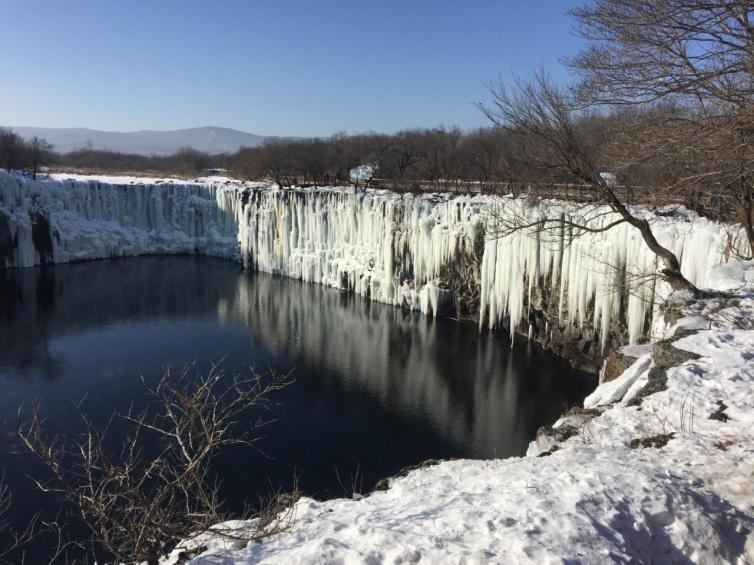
[376,387]
[473,389]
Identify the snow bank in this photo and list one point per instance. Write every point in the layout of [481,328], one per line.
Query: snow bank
[686,496]
[615,390]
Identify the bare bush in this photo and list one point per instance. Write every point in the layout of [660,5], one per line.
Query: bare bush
[13,540]
[141,500]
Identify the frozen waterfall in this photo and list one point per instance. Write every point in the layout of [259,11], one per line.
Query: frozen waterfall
[387,246]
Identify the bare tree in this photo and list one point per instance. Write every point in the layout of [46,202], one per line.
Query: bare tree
[697,54]
[13,541]
[11,149]
[38,153]
[398,154]
[540,111]
[140,501]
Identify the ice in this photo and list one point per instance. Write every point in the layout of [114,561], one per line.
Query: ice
[390,247]
[598,274]
[92,219]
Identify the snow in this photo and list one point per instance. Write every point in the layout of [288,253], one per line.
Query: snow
[594,499]
[733,275]
[130,180]
[635,351]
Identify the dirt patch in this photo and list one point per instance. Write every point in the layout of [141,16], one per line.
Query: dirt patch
[720,414]
[658,441]
[552,450]
[384,484]
[657,381]
[664,354]
[561,433]
[615,364]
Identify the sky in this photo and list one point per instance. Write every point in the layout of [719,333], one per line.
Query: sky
[276,67]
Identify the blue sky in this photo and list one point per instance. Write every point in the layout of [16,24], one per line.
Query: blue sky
[276,67]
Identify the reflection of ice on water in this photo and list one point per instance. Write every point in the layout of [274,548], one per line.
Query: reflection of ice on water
[472,388]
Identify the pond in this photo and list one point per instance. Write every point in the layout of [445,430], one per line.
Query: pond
[376,388]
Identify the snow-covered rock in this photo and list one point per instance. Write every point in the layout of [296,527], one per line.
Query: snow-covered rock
[615,390]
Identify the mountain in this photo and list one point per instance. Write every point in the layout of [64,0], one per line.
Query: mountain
[145,142]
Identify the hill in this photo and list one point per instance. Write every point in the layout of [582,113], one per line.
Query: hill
[145,142]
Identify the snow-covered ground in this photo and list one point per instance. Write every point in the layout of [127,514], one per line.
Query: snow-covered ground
[670,480]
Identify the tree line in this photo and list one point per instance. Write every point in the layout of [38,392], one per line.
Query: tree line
[22,154]
[441,157]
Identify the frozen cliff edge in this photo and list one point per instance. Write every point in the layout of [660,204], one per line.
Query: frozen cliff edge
[668,479]
[396,249]
[70,218]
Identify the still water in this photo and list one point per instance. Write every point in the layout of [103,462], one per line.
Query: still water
[376,388]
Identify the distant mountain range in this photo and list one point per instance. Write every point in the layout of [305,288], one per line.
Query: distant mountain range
[145,142]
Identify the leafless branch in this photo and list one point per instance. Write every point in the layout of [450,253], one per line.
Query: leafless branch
[138,501]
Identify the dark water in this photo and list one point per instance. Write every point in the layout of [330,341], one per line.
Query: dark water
[376,388]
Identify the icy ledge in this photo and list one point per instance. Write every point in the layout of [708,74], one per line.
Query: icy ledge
[396,249]
[683,493]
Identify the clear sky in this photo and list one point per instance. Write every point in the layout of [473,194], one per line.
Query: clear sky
[275,67]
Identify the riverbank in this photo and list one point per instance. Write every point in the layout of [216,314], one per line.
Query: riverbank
[660,468]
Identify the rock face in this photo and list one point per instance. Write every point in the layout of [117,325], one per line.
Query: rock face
[440,254]
[665,355]
[581,344]
[615,364]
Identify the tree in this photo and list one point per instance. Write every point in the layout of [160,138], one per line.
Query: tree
[38,153]
[398,155]
[695,54]
[546,114]
[191,161]
[11,149]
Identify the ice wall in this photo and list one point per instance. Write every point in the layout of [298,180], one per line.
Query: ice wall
[377,244]
[593,277]
[389,247]
[68,220]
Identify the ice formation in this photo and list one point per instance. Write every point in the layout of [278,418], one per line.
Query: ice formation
[377,244]
[596,274]
[389,247]
[57,221]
